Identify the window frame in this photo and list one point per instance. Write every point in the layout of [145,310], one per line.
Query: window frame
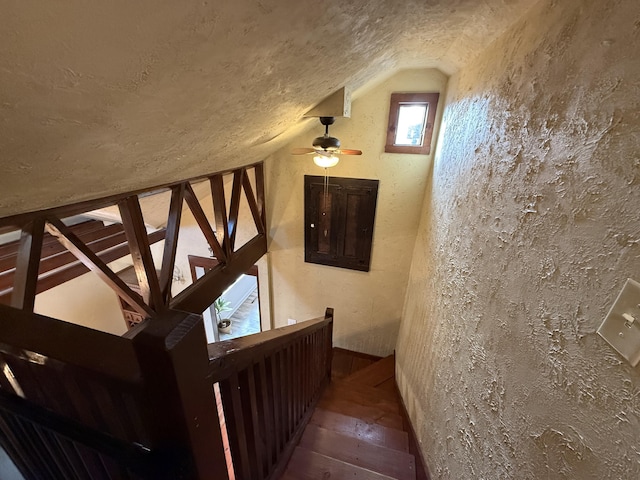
[418,98]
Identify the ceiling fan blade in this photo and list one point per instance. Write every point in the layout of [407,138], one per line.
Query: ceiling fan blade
[346,151]
[302,151]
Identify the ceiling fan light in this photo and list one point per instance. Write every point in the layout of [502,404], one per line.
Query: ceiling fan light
[326,161]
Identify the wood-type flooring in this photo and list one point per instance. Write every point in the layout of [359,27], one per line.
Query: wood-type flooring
[358,430]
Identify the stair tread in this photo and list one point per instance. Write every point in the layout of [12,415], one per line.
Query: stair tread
[388,386]
[375,374]
[367,413]
[307,465]
[344,363]
[364,395]
[357,428]
[393,463]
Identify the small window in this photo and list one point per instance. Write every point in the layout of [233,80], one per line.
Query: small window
[339,219]
[411,118]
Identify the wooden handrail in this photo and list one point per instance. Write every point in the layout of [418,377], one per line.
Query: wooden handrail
[69,210]
[40,339]
[269,384]
[85,391]
[235,354]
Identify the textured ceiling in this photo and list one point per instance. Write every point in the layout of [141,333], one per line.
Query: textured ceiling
[100,97]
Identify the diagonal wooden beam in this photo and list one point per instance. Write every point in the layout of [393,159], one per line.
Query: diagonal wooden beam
[72,270]
[171,242]
[145,269]
[253,204]
[199,296]
[234,209]
[61,259]
[260,196]
[220,210]
[203,222]
[59,230]
[27,264]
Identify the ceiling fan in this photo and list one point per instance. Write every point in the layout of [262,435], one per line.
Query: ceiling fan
[326,147]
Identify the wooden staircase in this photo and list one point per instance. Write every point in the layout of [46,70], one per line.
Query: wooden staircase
[357,431]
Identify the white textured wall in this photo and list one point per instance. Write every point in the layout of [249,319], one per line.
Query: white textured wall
[86,300]
[529,230]
[367,305]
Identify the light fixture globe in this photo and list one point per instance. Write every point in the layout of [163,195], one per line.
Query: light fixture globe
[326,161]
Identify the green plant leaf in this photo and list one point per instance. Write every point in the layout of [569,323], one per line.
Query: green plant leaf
[222,305]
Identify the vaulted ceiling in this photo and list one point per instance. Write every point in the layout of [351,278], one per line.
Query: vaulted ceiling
[101,97]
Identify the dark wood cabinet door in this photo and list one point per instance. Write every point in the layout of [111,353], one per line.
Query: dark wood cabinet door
[339,219]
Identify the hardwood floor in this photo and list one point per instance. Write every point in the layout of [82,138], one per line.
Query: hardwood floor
[346,362]
[358,428]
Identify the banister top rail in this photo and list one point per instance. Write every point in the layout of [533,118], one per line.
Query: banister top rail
[9,222]
[232,355]
[41,339]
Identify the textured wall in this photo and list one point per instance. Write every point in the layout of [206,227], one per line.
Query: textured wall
[86,300]
[367,305]
[104,97]
[529,229]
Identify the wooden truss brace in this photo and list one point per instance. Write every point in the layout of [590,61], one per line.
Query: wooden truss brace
[203,223]
[96,251]
[59,230]
[232,262]
[171,242]
[27,264]
[56,265]
[136,231]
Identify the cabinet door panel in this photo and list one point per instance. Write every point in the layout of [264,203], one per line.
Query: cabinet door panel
[339,220]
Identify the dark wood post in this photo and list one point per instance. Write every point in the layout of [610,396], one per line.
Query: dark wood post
[329,339]
[182,413]
[27,264]
[136,233]
[171,242]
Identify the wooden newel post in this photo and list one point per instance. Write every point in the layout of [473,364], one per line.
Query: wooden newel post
[181,416]
[329,339]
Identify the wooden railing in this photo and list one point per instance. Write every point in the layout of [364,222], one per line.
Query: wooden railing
[80,404]
[30,265]
[73,403]
[45,445]
[269,384]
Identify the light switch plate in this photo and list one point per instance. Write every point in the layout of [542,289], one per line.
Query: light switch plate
[621,326]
